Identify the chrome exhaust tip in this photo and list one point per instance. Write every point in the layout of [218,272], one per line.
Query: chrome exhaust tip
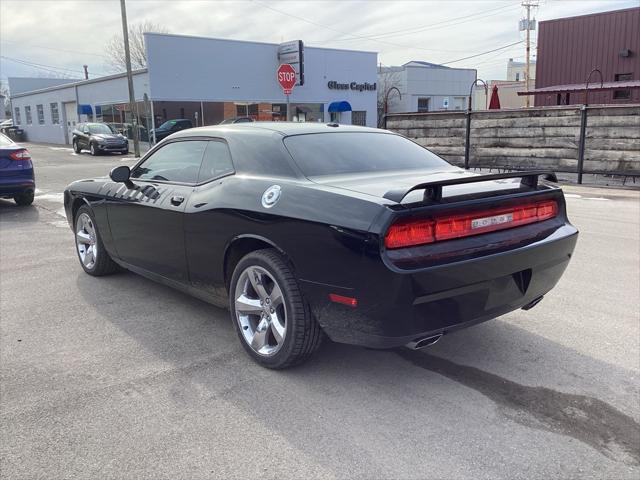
[533,303]
[424,342]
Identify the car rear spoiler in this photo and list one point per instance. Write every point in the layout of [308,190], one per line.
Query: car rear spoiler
[433,190]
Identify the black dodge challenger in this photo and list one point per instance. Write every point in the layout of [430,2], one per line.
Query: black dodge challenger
[306,230]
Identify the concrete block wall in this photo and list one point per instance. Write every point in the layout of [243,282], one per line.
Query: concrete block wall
[546,137]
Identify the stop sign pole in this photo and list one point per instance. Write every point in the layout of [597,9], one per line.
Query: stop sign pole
[286,76]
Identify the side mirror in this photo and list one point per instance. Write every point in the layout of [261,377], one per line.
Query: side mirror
[120,174]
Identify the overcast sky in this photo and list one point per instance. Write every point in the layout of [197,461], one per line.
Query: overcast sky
[62,35]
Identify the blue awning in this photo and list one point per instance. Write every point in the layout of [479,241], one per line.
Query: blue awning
[85,110]
[343,106]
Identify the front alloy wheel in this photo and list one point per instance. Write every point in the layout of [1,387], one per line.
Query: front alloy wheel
[86,240]
[94,259]
[93,150]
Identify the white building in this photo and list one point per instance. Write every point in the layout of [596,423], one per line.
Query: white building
[516,71]
[425,87]
[507,89]
[205,80]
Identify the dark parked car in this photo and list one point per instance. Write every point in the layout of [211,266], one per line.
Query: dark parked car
[307,229]
[98,138]
[17,179]
[227,121]
[169,127]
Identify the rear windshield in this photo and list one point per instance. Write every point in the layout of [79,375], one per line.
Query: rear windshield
[358,152]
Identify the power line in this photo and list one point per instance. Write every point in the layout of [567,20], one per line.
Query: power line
[49,68]
[55,49]
[352,35]
[482,53]
[444,24]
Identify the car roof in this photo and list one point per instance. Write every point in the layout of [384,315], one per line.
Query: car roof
[283,128]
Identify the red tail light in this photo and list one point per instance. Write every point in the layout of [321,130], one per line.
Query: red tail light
[22,154]
[407,233]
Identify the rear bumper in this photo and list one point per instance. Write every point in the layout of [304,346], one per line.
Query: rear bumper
[397,307]
[10,186]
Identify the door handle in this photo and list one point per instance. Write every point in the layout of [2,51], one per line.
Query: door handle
[177,200]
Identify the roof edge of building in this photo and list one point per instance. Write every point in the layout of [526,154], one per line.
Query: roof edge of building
[77,83]
[254,42]
[576,17]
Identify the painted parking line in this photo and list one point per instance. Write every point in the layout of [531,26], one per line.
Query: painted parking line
[575,195]
[51,197]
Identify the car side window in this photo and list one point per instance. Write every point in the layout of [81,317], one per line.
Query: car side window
[216,161]
[173,162]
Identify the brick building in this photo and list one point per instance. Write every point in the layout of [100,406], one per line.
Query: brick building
[570,48]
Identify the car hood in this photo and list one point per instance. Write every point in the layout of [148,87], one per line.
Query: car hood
[105,136]
[377,184]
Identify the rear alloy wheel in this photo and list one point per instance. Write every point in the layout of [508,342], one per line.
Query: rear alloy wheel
[272,319]
[93,257]
[24,199]
[76,147]
[92,149]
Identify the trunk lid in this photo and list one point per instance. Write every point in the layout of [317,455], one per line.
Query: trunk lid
[378,184]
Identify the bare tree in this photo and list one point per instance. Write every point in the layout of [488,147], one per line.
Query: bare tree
[115,46]
[4,99]
[388,78]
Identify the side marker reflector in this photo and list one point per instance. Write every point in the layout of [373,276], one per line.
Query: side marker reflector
[348,301]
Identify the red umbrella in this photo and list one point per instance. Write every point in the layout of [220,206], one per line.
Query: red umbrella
[494,103]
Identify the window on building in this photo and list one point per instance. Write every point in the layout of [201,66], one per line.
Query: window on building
[517,76]
[55,115]
[423,104]
[458,102]
[27,115]
[359,117]
[622,94]
[307,112]
[17,116]
[40,110]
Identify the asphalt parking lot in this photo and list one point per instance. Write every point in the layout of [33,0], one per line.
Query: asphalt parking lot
[119,377]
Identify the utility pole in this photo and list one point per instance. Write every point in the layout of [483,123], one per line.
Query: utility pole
[132,98]
[86,71]
[528,4]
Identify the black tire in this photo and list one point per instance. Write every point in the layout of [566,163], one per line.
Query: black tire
[103,265]
[76,147]
[303,333]
[24,199]
[92,149]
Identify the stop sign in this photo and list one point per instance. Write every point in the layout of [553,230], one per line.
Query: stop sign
[286,75]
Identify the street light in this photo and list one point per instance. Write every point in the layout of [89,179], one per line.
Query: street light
[386,102]
[468,133]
